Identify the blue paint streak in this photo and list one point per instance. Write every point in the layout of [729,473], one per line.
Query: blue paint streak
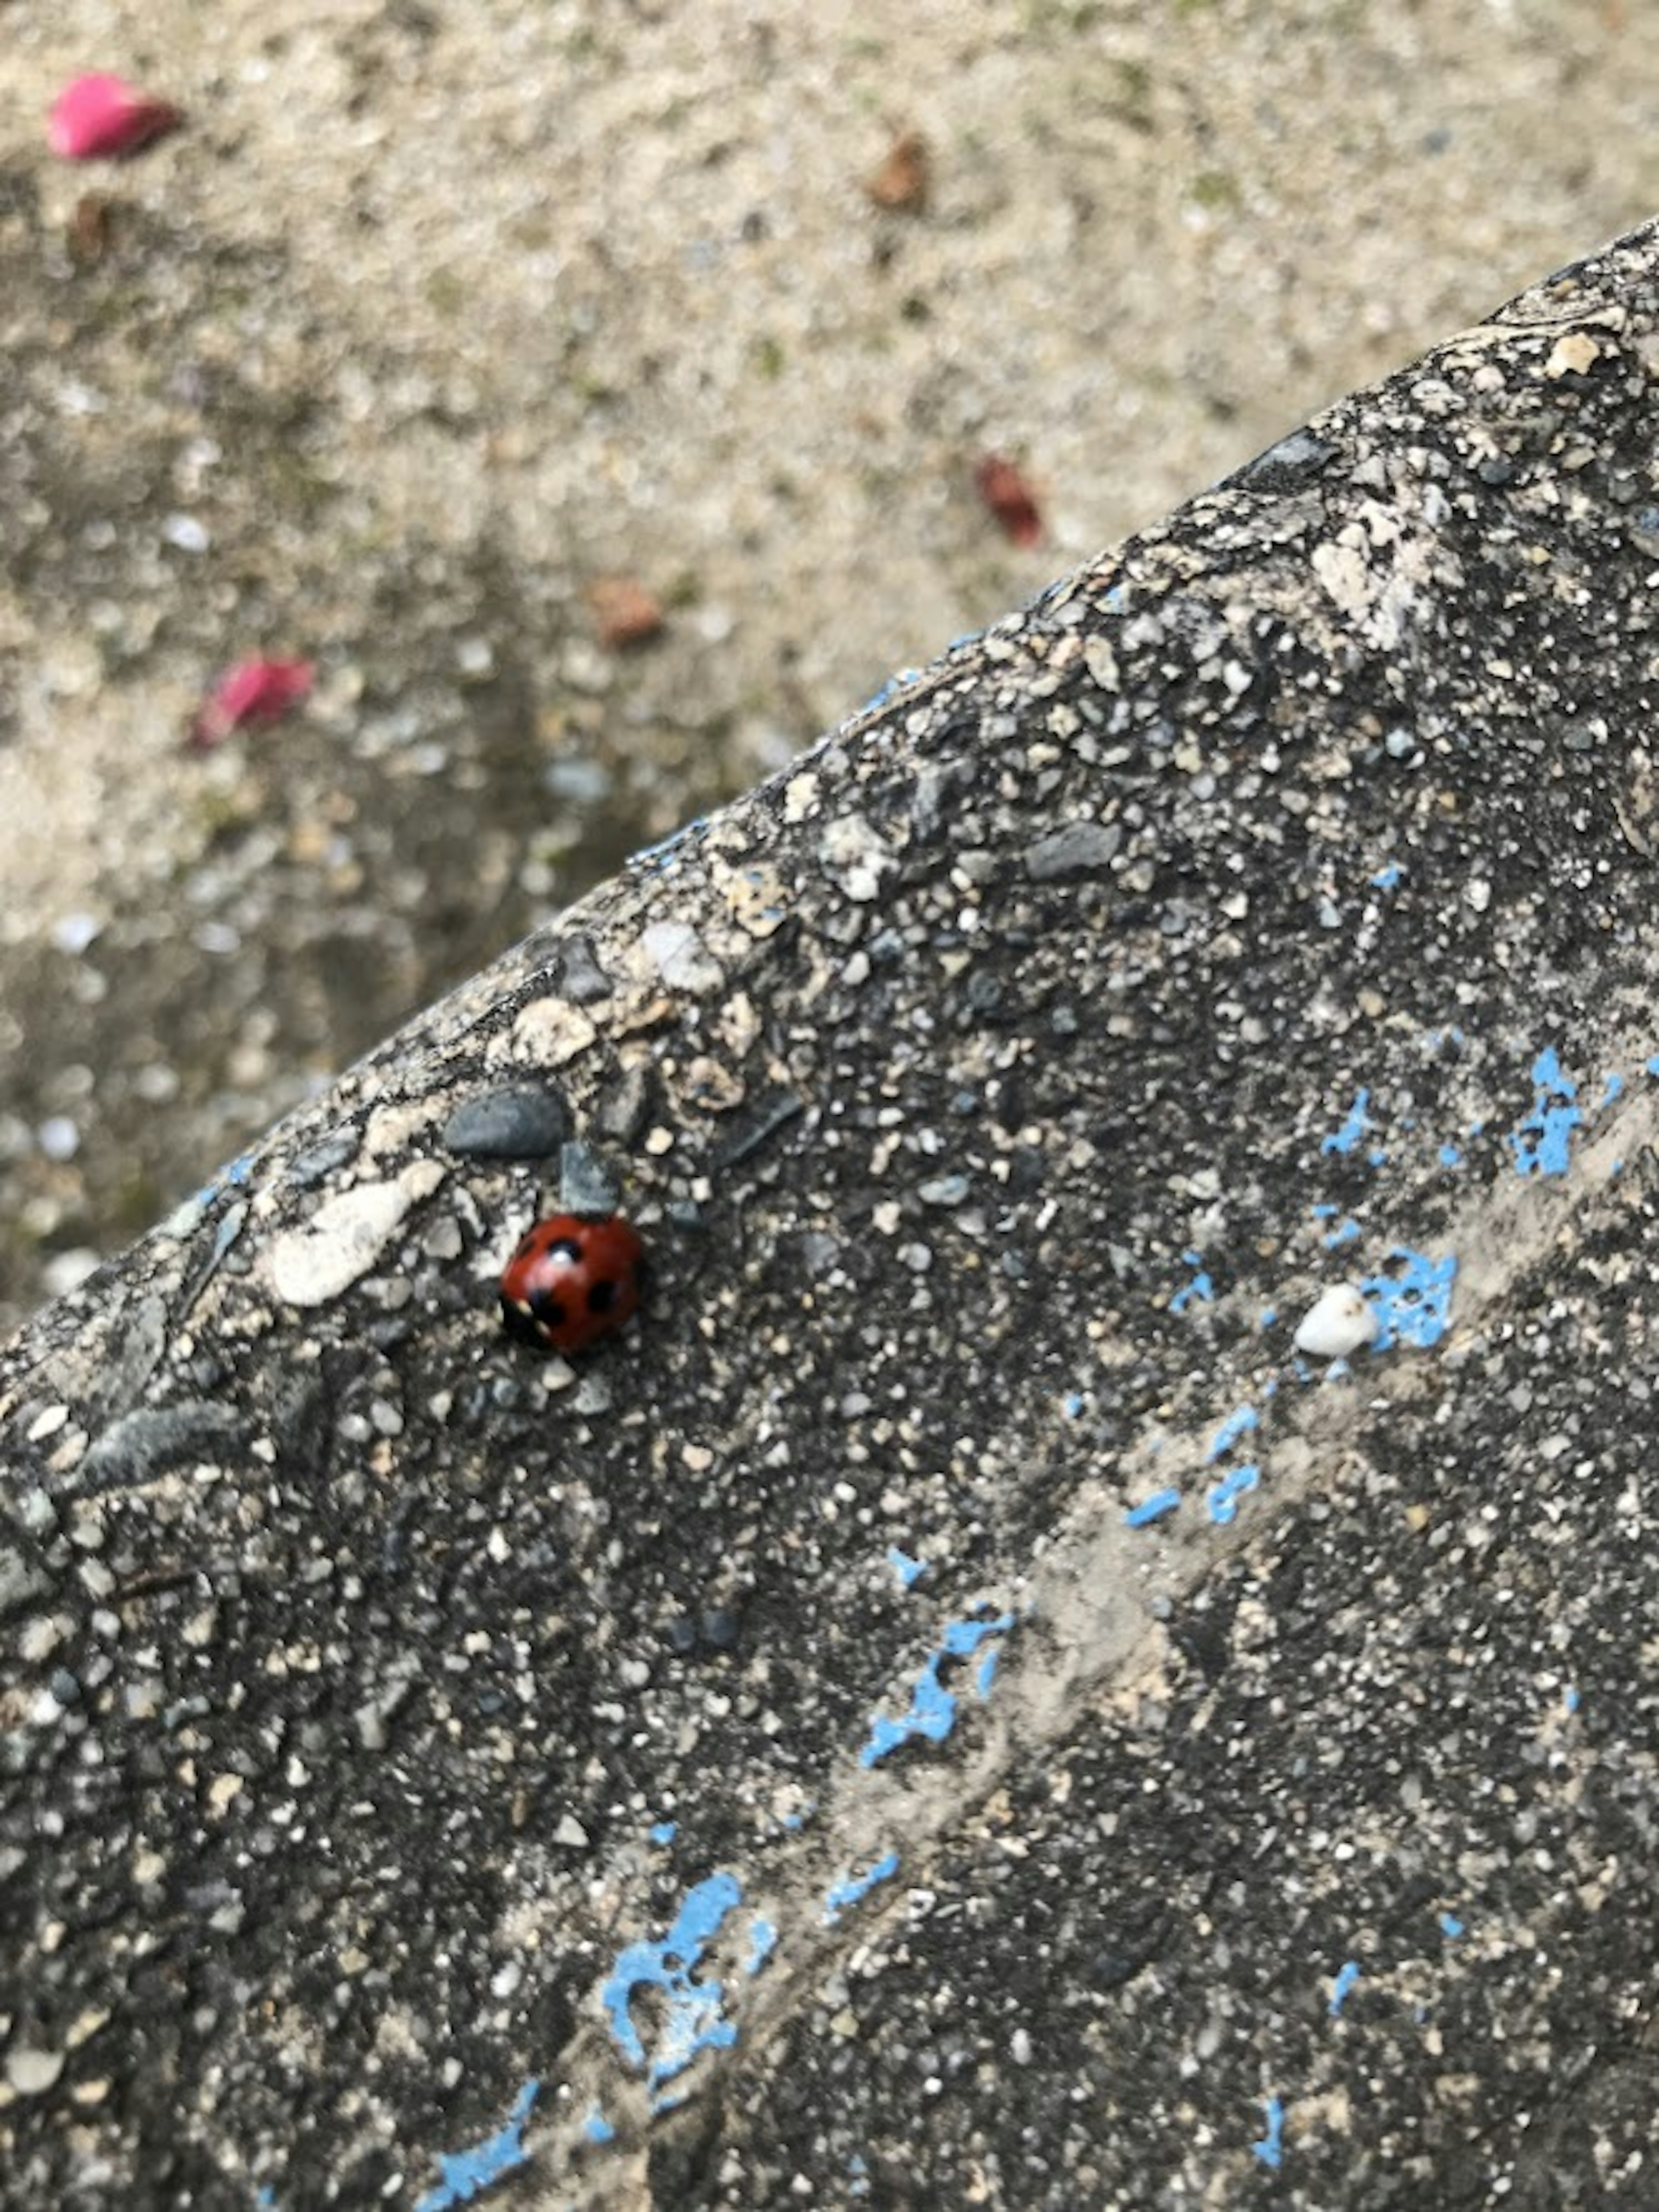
[762,1941]
[1549,1125]
[932,1713]
[467,2172]
[596,2128]
[1388,875]
[1570,1698]
[1611,1087]
[1413,1308]
[1652,1064]
[986,1673]
[694,2021]
[664,1832]
[1346,1976]
[1345,1232]
[1323,1212]
[856,1887]
[1237,1423]
[1347,1139]
[1152,1508]
[1223,1500]
[1200,1287]
[1270,2149]
[1450,1926]
[908,1570]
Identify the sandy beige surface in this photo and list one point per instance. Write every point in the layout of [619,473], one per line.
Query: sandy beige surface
[434,314]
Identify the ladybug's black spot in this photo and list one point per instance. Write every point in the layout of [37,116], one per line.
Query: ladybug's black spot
[602,1298]
[547,1310]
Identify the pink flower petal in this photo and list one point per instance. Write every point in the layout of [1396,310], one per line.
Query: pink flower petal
[102,115]
[252,692]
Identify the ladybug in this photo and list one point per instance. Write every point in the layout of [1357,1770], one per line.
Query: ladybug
[572,1281]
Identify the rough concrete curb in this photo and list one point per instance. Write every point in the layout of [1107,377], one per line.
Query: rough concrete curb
[950,1707]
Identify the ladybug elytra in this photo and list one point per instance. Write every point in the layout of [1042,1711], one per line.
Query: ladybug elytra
[572,1281]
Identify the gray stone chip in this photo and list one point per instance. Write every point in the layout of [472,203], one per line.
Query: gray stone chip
[524,1122]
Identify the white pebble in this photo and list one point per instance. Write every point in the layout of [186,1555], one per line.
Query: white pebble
[1337,1324]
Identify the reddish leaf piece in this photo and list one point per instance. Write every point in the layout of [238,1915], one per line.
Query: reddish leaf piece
[104,117]
[252,692]
[1009,497]
[624,612]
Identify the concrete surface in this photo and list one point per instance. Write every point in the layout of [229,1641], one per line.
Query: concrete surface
[436,315]
[949,1708]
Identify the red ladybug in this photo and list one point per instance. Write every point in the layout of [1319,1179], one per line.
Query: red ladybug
[572,1281]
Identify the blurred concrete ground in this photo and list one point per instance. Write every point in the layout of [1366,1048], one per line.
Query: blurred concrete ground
[433,315]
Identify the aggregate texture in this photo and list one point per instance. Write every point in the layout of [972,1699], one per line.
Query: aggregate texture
[948,1706]
[439,322]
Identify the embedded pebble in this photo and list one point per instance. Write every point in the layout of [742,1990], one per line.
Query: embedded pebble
[1338,1323]
[588,1184]
[1073,851]
[146,1443]
[520,1121]
[675,950]
[581,979]
[31,2073]
[345,1236]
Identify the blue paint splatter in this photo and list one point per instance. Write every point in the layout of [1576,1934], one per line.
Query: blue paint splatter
[932,1713]
[694,2021]
[986,1672]
[265,2195]
[1388,875]
[1200,1287]
[1347,1975]
[1413,1308]
[1347,1139]
[1223,1500]
[1541,1141]
[596,2128]
[1323,1212]
[908,1570]
[1570,1698]
[1073,1404]
[1450,1156]
[1269,1316]
[856,1887]
[1450,1926]
[1237,1423]
[1270,2149]
[465,2172]
[762,1941]
[1611,1087]
[1652,1064]
[664,1832]
[1345,1232]
[1152,1508]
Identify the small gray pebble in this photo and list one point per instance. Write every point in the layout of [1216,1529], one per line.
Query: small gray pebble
[1073,851]
[523,1121]
[581,979]
[588,1184]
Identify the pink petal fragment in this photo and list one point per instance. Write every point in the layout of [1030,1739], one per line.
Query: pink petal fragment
[252,692]
[103,116]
